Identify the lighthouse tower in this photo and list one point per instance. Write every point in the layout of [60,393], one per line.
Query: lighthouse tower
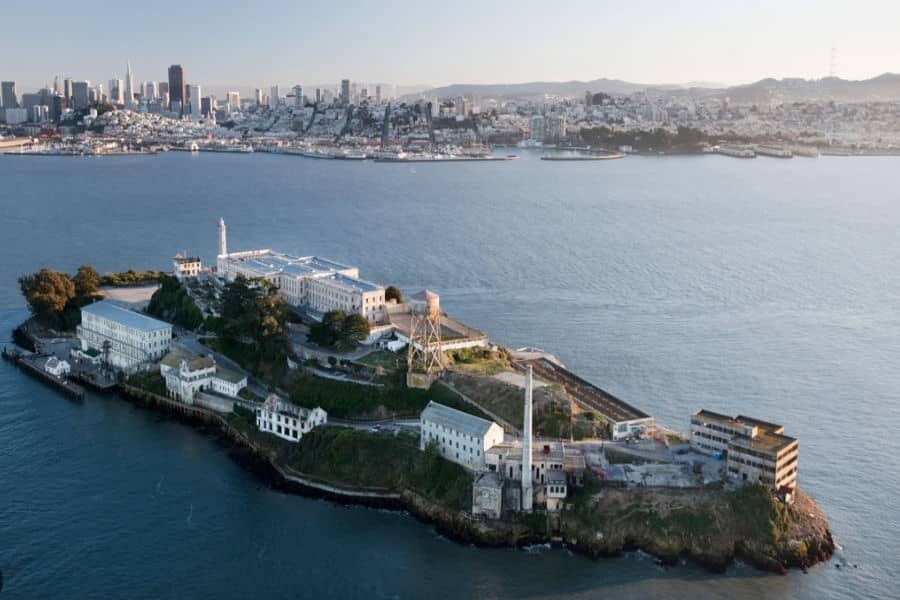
[223,244]
[527,488]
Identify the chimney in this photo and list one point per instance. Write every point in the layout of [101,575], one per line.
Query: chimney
[527,489]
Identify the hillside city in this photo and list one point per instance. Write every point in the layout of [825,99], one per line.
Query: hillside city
[357,120]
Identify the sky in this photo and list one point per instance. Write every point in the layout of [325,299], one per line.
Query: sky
[234,42]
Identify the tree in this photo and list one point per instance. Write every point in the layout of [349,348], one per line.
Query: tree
[87,281]
[355,328]
[47,293]
[393,293]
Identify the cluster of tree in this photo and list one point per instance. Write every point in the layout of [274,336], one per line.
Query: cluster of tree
[656,139]
[254,313]
[392,292]
[339,330]
[172,303]
[55,298]
[131,277]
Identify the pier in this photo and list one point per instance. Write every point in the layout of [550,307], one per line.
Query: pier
[26,362]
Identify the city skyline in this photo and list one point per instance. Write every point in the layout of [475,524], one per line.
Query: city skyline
[231,44]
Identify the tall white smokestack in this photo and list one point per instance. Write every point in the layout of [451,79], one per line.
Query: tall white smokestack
[527,488]
[223,244]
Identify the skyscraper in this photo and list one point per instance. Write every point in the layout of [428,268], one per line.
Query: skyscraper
[274,96]
[298,96]
[150,90]
[8,94]
[345,91]
[176,89]
[196,93]
[129,87]
[67,89]
[233,101]
[81,94]
[258,95]
[378,94]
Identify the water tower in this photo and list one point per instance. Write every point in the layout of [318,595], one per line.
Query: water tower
[426,356]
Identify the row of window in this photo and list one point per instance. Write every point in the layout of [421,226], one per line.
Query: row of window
[556,489]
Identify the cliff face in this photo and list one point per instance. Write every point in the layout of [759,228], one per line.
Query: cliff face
[709,527]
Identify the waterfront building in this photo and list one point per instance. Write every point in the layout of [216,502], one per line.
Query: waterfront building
[755,451]
[536,128]
[195,92]
[554,128]
[128,338]
[57,367]
[176,89]
[8,95]
[186,375]
[287,420]
[459,437]
[129,87]
[186,267]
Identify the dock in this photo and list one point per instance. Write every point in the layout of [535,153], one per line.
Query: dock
[25,361]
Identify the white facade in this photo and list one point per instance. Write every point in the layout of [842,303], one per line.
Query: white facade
[186,267]
[320,284]
[288,421]
[133,338]
[196,93]
[186,375]
[16,116]
[57,367]
[459,437]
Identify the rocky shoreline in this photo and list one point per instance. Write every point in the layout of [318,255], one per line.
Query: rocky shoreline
[806,538]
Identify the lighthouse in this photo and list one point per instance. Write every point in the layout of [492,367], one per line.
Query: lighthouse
[223,243]
[527,488]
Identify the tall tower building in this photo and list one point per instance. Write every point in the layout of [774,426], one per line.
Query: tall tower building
[67,89]
[8,94]
[298,96]
[274,95]
[345,91]
[258,96]
[129,87]
[378,94]
[223,242]
[176,89]
[527,488]
[196,94]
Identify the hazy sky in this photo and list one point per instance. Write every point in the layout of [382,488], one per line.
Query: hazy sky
[254,44]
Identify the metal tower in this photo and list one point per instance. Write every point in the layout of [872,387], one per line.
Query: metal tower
[425,358]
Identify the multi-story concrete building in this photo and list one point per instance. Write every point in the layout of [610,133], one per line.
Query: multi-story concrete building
[187,375]
[286,420]
[8,98]
[536,129]
[186,267]
[177,89]
[316,283]
[345,91]
[130,337]
[195,92]
[755,451]
[460,437]
[80,94]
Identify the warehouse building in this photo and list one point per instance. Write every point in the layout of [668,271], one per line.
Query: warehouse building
[460,437]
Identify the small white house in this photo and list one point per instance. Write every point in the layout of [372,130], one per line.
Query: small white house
[286,420]
[57,367]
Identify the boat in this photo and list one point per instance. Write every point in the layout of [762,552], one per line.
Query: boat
[736,151]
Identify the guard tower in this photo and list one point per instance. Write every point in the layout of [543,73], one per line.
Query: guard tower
[425,359]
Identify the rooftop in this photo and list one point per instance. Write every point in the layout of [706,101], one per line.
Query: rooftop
[360,285]
[456,419]
[271,262]
[134,320]
[195,363]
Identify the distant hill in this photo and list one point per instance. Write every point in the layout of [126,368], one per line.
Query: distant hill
[884,88]
[574,89]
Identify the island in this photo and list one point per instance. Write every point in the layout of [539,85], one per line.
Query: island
[329,385]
